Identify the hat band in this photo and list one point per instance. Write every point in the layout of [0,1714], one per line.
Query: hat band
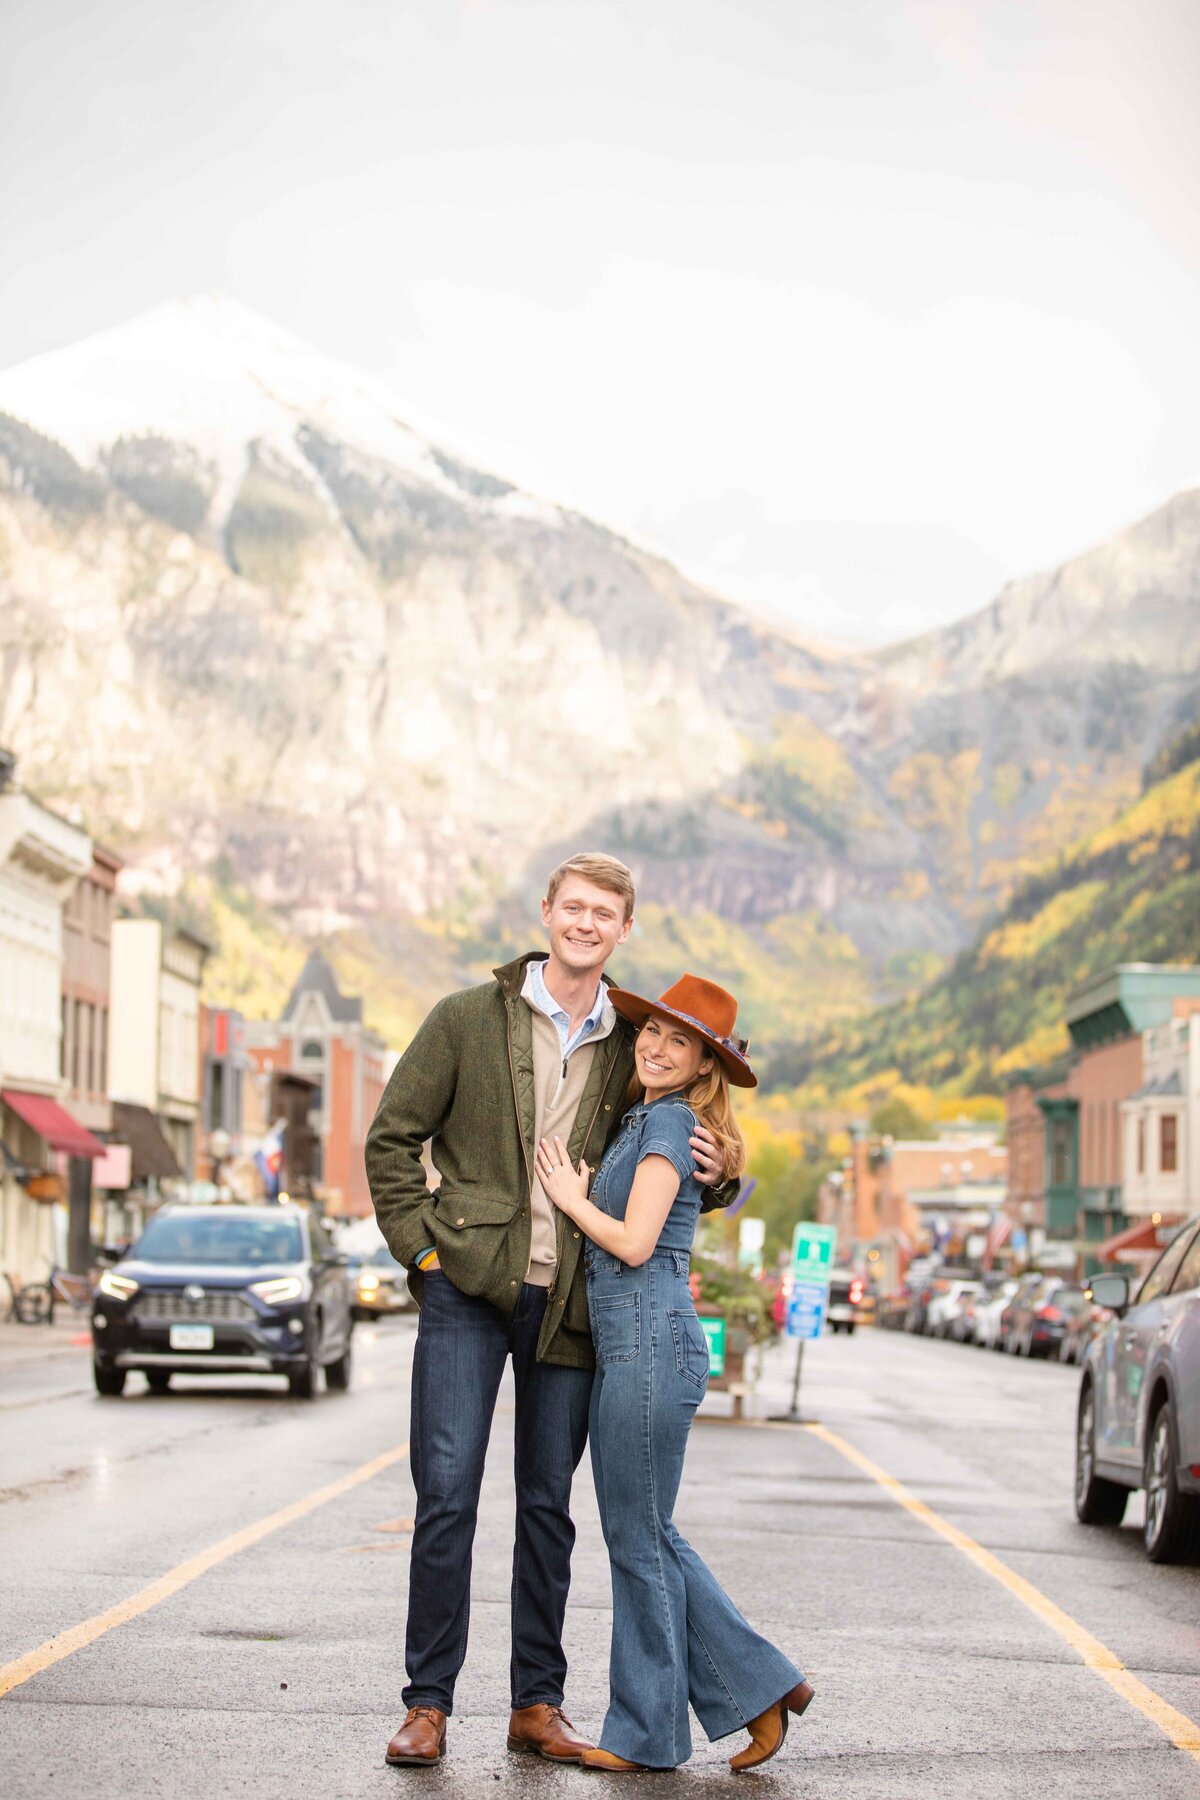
[733,1044]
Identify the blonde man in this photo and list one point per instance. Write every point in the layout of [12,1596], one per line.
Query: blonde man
[537,1052]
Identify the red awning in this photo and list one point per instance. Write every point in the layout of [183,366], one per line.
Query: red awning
[1146,1238]
[48,1119]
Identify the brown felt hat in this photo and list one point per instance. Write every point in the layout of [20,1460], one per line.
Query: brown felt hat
[703,1007]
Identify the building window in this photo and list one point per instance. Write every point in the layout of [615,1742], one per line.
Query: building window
[216,1096]
[1168,1144]
[77,1049]
[1141,1145]
[312,1050]
[89,1025]
[62,1038]
[1060,1153]
[102,1057]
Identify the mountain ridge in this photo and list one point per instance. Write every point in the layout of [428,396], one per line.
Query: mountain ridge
[370,682]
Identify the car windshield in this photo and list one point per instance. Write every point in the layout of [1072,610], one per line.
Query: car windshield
[220,1238]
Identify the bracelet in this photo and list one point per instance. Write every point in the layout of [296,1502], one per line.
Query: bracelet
[424,1256]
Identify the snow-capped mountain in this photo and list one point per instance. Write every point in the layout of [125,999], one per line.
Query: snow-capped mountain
[212,374]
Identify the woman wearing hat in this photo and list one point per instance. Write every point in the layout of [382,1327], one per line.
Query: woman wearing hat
[676,1636]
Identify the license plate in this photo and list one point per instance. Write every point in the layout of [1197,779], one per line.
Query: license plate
[191,1337]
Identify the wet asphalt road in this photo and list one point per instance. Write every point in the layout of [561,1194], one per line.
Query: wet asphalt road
[277,1673]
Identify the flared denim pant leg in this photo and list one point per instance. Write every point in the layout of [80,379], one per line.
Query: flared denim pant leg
[676,1636]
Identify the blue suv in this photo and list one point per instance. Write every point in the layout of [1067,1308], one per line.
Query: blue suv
[225,1290]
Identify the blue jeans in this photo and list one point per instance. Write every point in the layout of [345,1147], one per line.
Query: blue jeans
[676,1635]
[462,1346]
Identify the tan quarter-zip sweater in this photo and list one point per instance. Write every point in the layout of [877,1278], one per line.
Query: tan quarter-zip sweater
[558,1089]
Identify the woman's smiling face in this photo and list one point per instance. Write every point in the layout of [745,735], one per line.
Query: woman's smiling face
[668,1055]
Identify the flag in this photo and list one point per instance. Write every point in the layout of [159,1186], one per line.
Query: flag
[999,1232]
[269,1160]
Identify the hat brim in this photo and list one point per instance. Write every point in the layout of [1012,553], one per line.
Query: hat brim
[637,1009]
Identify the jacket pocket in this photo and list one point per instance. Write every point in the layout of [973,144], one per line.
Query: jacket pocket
[617,1327]
[461,1207]
[691,1347]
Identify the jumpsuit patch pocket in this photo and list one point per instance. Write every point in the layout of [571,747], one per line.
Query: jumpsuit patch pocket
[691,1347]
[617,1327]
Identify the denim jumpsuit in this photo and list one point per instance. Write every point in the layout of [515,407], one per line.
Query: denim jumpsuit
[676,1636]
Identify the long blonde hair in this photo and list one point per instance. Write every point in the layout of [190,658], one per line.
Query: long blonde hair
[709,1098]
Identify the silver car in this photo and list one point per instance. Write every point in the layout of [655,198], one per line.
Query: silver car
[1139,1402]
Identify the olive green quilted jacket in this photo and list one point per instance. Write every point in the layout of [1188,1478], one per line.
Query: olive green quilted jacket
[466,1082]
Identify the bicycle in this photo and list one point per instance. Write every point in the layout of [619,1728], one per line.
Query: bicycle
[33,1302]
[75,1291]
[29,1302]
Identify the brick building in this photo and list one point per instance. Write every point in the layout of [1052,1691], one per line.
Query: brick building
[1081,1200]
[322,1037]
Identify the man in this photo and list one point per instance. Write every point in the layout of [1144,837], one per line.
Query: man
[499,1272]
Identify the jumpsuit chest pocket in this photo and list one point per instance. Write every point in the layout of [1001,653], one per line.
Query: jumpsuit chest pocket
[691,1347]
[617,1327]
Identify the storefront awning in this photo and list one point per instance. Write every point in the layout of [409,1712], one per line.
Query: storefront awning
[1146,1238]
[47,1118]
[151,1153]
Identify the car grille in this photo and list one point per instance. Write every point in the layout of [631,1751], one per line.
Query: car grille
[213,1309]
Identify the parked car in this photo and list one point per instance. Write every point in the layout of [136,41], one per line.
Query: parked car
[1085,1323]
[947,1301]
[1040,1317]
[891,1310]
[225,1290]
[986,1312]
[925,1287]
[380,1286]
[1138,1423]
[845,1300]
[1027,1285]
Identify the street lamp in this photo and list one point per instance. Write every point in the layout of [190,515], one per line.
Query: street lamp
[219,1145]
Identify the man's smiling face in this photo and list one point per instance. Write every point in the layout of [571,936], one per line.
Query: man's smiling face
[586,923]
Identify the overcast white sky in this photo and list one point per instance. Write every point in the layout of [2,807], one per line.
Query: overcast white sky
[856,308]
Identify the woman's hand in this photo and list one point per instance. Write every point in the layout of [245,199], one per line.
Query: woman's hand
[567,1187]
[708,1157]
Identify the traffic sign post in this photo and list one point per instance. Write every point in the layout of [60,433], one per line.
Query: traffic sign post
[813,1248]
[714,1337]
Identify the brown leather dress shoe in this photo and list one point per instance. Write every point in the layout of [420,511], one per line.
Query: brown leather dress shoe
[769,1730]
[605,1759]
[545,1731]
[420,1740]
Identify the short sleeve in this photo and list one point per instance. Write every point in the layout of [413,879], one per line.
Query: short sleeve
[665,1133]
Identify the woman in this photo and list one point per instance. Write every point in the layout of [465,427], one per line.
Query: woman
[676,1635]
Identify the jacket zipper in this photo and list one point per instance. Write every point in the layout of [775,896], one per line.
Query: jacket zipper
[599,1103]
[512,1075]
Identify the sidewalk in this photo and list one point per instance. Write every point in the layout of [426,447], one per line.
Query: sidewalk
[69,1334]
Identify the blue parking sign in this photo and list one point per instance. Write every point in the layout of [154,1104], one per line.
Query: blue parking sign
[806,1309]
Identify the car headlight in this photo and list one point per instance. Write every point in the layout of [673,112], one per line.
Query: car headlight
[117,1287]
[367,1284]
[278,1291]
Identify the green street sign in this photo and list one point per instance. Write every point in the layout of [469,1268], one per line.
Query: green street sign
[812,1252]
[714,1332]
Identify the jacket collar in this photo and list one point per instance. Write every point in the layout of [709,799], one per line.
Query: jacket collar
[511,979]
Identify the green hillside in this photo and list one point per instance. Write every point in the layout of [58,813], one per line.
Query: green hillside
[1129,892]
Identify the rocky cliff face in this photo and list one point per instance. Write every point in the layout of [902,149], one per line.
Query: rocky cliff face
[263,633]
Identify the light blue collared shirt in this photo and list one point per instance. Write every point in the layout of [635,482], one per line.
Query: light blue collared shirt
[539,995]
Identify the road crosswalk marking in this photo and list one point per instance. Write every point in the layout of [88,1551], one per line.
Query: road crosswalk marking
[14,1674]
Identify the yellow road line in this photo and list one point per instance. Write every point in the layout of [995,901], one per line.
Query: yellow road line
[1183,1732]
[13,1674]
